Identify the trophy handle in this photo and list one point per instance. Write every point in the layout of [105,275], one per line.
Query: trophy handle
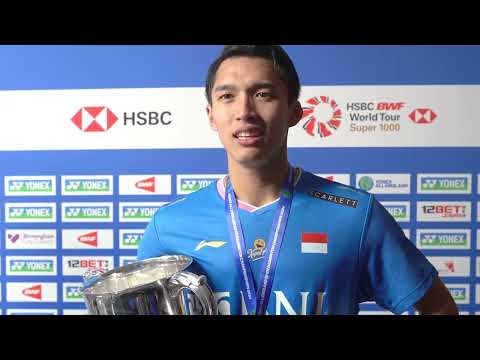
[199,286]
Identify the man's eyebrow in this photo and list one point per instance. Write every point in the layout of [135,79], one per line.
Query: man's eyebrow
[256,86]
[224,88]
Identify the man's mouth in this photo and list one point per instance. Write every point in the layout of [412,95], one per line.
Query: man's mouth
[249,136]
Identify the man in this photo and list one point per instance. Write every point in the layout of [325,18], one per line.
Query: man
[274,239]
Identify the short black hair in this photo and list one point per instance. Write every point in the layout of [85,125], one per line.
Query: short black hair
[282,64]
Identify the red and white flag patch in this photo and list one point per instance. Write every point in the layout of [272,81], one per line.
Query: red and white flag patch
[314,243]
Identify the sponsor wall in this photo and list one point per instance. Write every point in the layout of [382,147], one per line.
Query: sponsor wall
[84,169]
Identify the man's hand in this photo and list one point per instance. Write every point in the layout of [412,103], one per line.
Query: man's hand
[437,301]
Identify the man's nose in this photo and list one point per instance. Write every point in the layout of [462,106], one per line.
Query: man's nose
[245,108]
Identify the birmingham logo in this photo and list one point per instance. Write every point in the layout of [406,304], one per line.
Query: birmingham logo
[317,122]
[94,119]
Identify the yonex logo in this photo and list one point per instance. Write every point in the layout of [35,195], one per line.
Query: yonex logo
[398,212]
[91,212]
[74,292]
[458,294]
[29,186]
[94,119]
[131,239]
[33,292]
[87,185]
[445,183]
[323,116]
[40,266]
[138,212]
[195,184]
[30,212]
[422,116]
[447,239]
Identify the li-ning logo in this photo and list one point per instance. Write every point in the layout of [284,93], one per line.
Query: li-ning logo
[89,239]
[94,119]
[33,292]
[315,125]
[147,184]
[422,116]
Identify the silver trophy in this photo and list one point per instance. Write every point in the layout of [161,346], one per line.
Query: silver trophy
[157,286]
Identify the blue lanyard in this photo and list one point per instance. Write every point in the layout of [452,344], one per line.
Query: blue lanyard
[256,301]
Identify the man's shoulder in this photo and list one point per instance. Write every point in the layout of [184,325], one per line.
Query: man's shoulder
[199,200]
[320,187]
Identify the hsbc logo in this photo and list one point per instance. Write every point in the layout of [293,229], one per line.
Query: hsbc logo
[31,292]
[101,118]
[446,211]
[422,116]
[94,119]
[87,239]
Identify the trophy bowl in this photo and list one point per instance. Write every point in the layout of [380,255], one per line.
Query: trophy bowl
[156,286]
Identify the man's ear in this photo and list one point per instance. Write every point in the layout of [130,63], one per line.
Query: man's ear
[297,113]
[211,120]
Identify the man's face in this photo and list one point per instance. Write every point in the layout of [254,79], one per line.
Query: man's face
[250,110]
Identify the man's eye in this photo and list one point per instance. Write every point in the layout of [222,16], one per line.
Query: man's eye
[264,94]
[226,96]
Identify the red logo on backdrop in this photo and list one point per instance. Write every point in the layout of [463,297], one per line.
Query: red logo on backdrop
[450,266]
[94,118]
[33,292]
[422,116]
[323,127]
[89,239]
[147,184]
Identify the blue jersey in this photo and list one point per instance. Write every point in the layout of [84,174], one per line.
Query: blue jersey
[341,248]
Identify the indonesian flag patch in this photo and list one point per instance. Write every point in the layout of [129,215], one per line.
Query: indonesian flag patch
[314,243]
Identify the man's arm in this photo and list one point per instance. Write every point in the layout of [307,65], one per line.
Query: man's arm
[437,301]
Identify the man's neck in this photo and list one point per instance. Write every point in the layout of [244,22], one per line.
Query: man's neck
[258,186]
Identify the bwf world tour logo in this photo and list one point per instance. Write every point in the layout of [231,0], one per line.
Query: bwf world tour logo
[94,119]
[323,116]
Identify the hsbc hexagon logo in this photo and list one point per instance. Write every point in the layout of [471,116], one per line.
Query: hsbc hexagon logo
[323,116]
[94,119]
[422,116]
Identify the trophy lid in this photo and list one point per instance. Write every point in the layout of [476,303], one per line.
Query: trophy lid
[136,274]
